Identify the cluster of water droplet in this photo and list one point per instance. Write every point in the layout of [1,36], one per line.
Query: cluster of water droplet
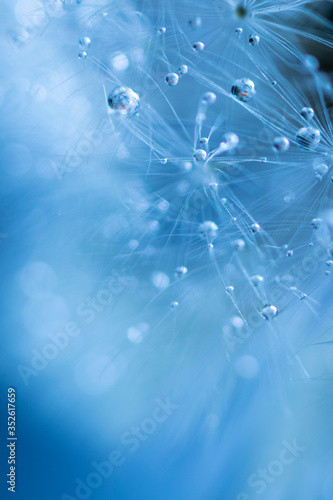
[229,147]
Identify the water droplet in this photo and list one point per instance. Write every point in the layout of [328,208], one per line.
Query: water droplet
[308,137]
[281,144]
[160,280]
[257,280]
[243,89]
[289,198]
[154,225]
[255,228]
[172,79]
[254,39]
[164,161]
[311,62]
[162,30]
[124,100]
[236,322]
[198,46]
[174,305]
[307,113]
[208,229]
[238,32]
[298,293]
[316,223]
[238,245]
[120,62]
[163,206]
[82,55]
[133,244]
[320,170]
[195,23]
[208,98]
[85,42]
[183,69]
[200,155]
[269,312]
[229,289]
[137,333]
[204,141]
[229,141]
[180,271]
[290,253]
